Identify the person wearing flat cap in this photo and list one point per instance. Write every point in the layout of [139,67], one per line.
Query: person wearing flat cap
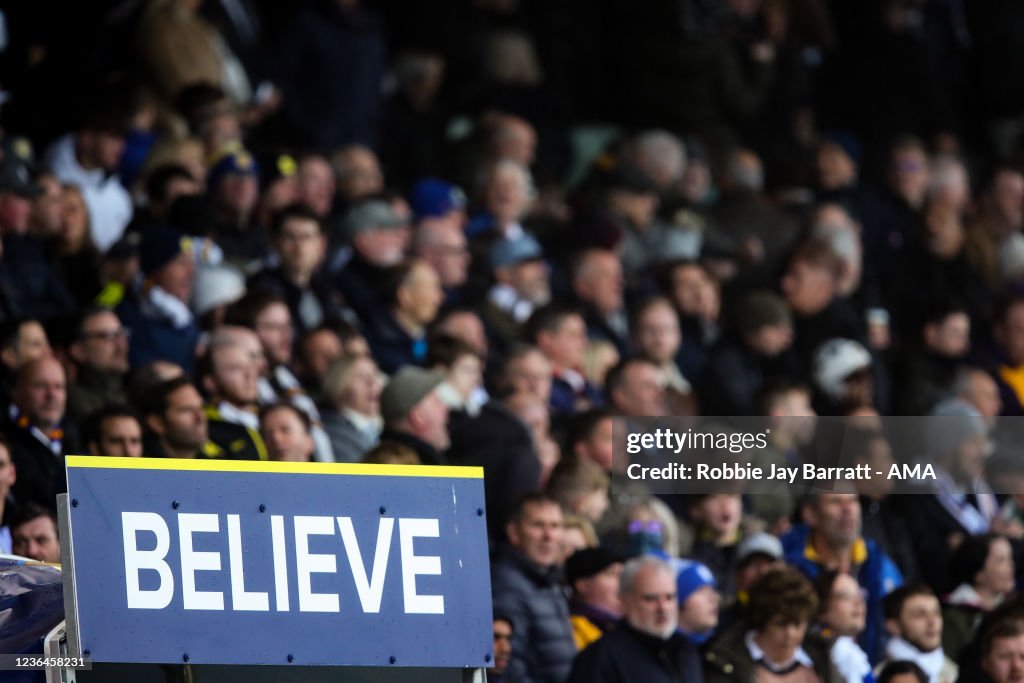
[595,607]
[414,414]
[157,312]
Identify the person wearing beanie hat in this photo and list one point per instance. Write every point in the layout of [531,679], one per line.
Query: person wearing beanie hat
[435,198]
[233,192]
[593,576]
[157,310]
[697,593]
[958,501]
[414,414]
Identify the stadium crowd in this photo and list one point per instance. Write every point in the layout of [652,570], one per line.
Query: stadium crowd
[489,232]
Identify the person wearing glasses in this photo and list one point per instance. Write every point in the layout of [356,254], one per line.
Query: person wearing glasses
[100,353]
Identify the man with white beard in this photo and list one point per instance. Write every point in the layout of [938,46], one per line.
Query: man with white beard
[645,646]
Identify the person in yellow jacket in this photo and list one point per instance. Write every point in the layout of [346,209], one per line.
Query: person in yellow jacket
[593,576]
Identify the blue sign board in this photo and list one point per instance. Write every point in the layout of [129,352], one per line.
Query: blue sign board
[231,562]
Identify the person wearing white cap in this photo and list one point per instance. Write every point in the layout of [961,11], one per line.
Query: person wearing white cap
[842,374]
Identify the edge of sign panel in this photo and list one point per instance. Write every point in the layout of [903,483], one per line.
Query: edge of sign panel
[435,471]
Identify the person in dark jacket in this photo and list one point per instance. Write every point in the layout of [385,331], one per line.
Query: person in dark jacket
[756,356]
[499,442]
[526,584]
[157,312]
[374,239]
[414,414]
[100,351]
[593,575]
[38,433]
[330,66]
[398,335]
[299,243]
[645,647]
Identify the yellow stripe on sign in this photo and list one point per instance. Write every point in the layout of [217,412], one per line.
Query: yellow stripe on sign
[434,471]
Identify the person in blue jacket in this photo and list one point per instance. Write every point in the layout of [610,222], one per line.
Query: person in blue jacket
[156,312]
[831,539]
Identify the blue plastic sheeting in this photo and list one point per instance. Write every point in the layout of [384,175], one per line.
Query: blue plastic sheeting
[31,604]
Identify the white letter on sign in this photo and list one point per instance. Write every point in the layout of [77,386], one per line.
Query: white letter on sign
[408,529]
[306,564]
[193,561]
[370,592]
[241,599]
[136,560]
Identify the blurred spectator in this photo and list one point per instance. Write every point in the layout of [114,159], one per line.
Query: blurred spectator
[377,237]
[598,285]
[560,334]
[300,246]
[536,416]
[981,575]
[100,353]
[1003,651]
[232,187]
[913,619]
[175,422]
[592,574]
[696,297]
[357,173]
[34,534]
[414,414]
[316,185]
[352,419]
[581,487]
[521,286]
[156,311]
[752,357]
[398,335]
[89,158]
[959,502]
[635,389]
[114,431]
[645,645]
[782,606]
[268,316]
[698,597]
[330,64]
[37,430]
[842,617]
[526,588]
[577,533]
[716,520]
[932,365]
[8,475]
[287,432]
[834,541]
[74,256]
[502,649]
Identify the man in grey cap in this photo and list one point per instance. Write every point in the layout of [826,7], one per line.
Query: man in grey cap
[521,286]
[414,414]
[372,238]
